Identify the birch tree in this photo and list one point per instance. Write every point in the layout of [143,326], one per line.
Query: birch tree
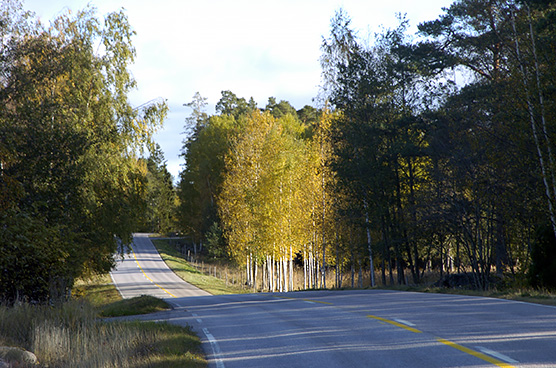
[72,139]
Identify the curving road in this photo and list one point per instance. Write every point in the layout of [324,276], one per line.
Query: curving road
[143,272]
[359,328]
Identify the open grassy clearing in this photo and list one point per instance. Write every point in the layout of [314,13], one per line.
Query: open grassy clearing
[71,334]
[187,272]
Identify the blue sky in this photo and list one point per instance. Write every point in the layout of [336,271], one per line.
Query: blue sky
[257,48]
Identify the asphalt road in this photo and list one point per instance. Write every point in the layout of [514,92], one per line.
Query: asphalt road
[143,272]
[366,328]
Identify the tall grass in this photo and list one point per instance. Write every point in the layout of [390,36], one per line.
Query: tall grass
[71,335]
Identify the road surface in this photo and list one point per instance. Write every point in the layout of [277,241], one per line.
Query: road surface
[364,328]
[143,272]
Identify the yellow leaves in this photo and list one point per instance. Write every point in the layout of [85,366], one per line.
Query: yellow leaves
[263,200]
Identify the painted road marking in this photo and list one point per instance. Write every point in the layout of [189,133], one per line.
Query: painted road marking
[305,300]
[403,321]
[476,354]
[496,354]
[398,324]
[147,276]
[493,357]
[316,301]
[215,349]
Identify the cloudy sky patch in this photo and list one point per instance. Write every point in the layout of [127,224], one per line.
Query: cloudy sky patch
[253,48]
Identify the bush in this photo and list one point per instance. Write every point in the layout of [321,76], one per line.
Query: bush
[33,263]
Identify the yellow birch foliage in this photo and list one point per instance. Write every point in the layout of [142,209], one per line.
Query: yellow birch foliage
[263,203]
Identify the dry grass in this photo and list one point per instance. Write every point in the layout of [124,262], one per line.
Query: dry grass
[72,335]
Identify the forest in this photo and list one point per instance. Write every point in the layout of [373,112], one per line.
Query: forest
[427,153]
[424,154]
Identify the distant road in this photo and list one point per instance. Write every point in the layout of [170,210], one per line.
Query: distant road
[357,328]
[143,272]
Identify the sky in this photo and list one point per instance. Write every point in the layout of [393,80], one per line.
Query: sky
[254,48]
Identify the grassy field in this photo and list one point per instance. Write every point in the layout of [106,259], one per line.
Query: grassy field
[187,272]
[72,334]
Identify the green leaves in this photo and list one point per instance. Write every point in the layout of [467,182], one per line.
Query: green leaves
[69,143]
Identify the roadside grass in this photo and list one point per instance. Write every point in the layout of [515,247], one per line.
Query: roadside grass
[98,290]
[522,295]
[187,272]
[544,297]
[143,304]
[71,334]
[103,295]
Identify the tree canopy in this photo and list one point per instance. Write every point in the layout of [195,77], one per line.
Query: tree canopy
[430,152]
[72,184]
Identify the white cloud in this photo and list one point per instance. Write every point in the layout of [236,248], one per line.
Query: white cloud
[253,48]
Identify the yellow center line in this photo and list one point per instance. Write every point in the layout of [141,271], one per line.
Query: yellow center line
[477,354]
[461,348]
[147,276]
[283,297]
[394,323]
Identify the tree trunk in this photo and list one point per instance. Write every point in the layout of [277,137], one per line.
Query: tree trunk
[305,265]
[369,242]
[530,110]
[291,268]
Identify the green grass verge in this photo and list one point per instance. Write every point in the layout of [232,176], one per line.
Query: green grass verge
[187,272]
[97,290]
[139,305]
[172,346]
[103,295]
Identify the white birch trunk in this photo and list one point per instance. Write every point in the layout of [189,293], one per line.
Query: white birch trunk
[304,269]
[247,270]
[279,272]
[533,124]
[291,268]
[256,267]
[285,272]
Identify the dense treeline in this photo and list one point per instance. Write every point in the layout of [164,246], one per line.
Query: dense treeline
[431,152]
[71,183]
[428,152]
